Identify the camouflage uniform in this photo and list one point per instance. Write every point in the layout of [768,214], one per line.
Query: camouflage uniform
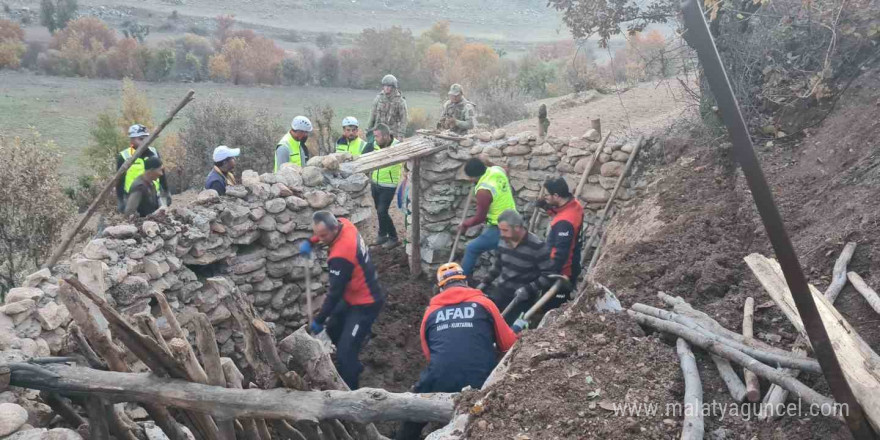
[462,112]
[390,111]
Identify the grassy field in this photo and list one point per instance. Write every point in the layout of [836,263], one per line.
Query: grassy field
[62,109]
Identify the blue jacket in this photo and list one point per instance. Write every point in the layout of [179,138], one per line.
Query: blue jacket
[217,182]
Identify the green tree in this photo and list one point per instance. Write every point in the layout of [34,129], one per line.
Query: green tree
[607,18]
[54,14]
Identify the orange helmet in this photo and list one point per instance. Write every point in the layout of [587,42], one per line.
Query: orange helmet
[449,272]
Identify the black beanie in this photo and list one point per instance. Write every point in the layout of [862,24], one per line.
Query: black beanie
[152,163]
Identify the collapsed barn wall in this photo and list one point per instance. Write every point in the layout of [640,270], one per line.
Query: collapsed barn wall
[251,236]
[529,160]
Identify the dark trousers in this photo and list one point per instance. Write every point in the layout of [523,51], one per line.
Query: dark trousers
[502,298]
[383,197]
[349,328]
[440,380]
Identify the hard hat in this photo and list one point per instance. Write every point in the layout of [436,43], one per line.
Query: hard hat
[349,120]
[455,90]
[449,272]
[301,123]
[223,152]
[389,80]
[137,130]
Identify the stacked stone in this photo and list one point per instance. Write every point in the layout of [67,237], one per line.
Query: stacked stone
[251,236]
[530,160]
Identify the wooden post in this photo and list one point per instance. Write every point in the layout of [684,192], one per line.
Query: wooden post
[629,163]
[536,214]
[590,165]
[464,213]
[693,393]
[543,121]
[753,387]
[596,124]
[119,173]
[415,260]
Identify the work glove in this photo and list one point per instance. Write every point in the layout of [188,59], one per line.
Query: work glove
[315,328]
[463,228]
[305,247]
[168,200]
[520,324]
[542,204]
[521,294]
[482,287]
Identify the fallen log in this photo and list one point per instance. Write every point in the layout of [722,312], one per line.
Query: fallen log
[364,405]
[692,428]
[867,292]
[773,401]
[735,386]
[838,274]
[753,386]
[695,338]
[683,308]
[857,360]
[786,360]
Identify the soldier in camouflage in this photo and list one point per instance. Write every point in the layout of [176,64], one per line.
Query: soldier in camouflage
[458,113]
[389,108]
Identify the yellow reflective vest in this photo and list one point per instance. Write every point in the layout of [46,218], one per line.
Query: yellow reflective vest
[390,175]
[295,147]
[137,167]
[495,181]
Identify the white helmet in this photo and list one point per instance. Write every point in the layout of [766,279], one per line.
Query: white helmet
[301,123]
[349,120]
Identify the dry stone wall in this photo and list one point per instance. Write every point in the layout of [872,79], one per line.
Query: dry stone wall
[250,236]
[529,160]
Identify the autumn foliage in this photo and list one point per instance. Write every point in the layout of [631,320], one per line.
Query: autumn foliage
[11,44]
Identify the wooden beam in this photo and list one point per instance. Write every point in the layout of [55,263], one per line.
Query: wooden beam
[859,363]
[415,260]
[753,386]
[867,292]
[363,405]
[692,428]
[416,146]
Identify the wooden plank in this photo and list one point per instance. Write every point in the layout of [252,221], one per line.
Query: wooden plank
[409,149]
[858,362]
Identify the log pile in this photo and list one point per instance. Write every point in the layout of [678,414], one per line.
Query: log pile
[191,392]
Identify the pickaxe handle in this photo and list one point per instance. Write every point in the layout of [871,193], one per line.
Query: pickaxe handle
[309,291]
[467,205]
[544,299]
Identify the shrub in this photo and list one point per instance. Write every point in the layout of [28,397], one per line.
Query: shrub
[389,51]
[219,69]
[174,162]
[534,75]
[299,68]
[324,41]
[55,14]
[418,119]
[32,53]
[323,137]
[135,107]
[132,29]
[11,44]
[328,69]
[191,56]
[219,121]
[79,45]
[291,36]
[475,64]
[33,208]
[500,102]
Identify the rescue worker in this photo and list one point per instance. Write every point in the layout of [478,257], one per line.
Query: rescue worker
[458,113]
[222,175]
[137,135]
[354,298]
[564,240]
[463,337]
[389,108]
[350,142]
[522,267]
[384,186]
[292,147]
[494,196]
[143,197]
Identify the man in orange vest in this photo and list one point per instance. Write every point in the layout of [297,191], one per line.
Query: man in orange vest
[354,298]
[463,337]
[564,240]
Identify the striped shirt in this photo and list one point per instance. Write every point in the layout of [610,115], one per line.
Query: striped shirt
[528,264]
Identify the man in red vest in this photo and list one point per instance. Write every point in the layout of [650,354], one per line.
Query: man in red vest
[354,298]
[463,337]
[564,240]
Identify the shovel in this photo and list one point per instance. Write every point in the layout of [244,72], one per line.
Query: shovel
[467,205]
[561,282]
